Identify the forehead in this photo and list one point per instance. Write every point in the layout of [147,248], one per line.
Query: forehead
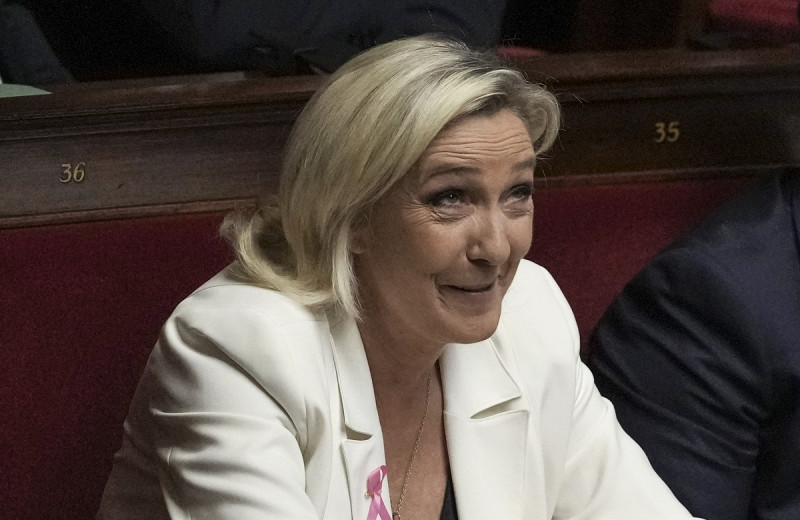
[501,136]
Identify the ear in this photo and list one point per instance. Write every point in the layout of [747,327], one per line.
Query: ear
[359,236]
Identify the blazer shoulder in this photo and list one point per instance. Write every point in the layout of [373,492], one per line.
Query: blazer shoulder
[533,290]
[764,214]
[276,341]
[536,309]
[224,293]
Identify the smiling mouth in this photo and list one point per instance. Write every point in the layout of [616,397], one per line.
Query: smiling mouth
[473,289]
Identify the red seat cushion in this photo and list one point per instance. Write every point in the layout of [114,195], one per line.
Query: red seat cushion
[513,52]
[773,21]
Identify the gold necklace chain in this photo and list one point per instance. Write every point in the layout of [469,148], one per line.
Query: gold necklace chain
[396,511]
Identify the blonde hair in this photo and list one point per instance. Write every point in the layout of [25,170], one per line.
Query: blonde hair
[358,135]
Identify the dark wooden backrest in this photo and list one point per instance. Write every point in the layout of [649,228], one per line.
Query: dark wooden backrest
[182,145]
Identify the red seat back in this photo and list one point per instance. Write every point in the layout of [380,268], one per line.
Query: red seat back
[593,239]
[82,305]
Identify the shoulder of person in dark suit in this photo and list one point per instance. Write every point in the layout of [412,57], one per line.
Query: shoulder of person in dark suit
[26,56]
[700,355]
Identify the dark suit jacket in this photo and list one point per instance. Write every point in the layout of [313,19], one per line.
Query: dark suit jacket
[701,356]
[25,55]
[268,34]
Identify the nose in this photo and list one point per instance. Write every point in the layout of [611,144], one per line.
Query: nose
[490,242]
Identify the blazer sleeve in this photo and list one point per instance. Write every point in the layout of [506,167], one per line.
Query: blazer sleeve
[606,475]
[673,354]
[229,441]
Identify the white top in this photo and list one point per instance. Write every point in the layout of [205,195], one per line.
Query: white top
[252,407]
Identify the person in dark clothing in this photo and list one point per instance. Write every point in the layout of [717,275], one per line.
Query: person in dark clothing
[700,355]
[25,55]
[282,36]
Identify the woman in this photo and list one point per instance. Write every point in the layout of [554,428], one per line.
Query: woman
[380,321]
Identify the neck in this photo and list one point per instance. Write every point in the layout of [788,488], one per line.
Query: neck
[400,368]
[407,388]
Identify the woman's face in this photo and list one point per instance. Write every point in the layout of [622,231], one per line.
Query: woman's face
[437,254]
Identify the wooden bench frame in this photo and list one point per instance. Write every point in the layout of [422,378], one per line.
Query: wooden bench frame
[188,144]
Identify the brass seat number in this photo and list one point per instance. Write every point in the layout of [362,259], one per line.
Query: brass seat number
[70,174]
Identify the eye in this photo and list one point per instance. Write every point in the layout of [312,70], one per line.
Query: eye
[447,198]
[521,191]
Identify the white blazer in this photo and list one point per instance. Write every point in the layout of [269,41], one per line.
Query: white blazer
[252,407]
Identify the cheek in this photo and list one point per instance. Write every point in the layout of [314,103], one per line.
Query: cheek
[408,255]
[435,250]
[520,236]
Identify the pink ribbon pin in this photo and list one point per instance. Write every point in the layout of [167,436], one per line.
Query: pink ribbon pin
[377,507]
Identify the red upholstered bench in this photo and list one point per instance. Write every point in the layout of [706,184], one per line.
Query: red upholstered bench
[82,305]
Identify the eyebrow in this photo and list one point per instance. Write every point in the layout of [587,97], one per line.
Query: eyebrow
[452,169]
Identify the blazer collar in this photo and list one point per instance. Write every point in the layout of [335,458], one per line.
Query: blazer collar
[485,421]
[495,466]
[362,447]
[355,381]
[475,379]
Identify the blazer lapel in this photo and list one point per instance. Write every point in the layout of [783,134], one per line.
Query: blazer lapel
[362,448]
[487,430]
[497,470]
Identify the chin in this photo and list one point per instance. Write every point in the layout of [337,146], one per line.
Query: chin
[478,330]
